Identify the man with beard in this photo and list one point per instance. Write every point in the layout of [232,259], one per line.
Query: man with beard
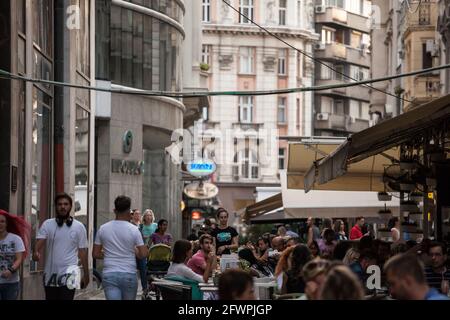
[198,262]
[65,241]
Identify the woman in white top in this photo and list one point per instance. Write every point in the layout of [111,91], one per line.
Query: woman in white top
[182,252]
[394,226]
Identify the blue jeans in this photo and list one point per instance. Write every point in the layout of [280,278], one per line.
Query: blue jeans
[142,267]
[120,286]
[9,291]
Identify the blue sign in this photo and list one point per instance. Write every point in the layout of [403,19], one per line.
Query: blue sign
[201,169]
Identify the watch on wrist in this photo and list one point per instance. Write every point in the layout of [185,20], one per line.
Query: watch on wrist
[12,270]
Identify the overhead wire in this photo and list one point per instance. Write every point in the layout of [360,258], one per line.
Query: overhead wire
[310,56]
[176,94]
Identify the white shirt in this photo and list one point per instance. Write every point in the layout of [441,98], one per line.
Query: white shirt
[182,270]
[9,246]
[62,247]
[119,240]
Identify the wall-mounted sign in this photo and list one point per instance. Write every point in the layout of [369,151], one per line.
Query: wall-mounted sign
[129,167]
[201,168]
[127,141]
[201,190]
[196,215]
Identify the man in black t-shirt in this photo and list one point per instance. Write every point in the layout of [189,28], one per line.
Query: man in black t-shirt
[225,237]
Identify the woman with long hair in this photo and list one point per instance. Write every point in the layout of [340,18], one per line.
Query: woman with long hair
[161,235]
[314,248]
[341,283]
[283,265]
[182,252]
[339,229]
[15,235]
[148,226]
[300,256]
[255,267]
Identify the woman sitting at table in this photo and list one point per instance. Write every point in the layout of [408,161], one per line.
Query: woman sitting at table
[182,252]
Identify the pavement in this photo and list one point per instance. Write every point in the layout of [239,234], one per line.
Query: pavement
[99,294]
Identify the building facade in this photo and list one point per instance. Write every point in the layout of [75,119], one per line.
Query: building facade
[141,46]
[239,56]
[406,38]
[344,46]
[47,131]
[443,40]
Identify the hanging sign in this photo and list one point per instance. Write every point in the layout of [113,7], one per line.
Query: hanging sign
[201,168]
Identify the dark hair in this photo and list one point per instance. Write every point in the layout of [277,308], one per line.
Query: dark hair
[180,250]
[122,204]
[406,264]
[203,237]
[341,249]
[329,232]
[233,283]
[434,244]
[327,223]
[392,222]
[300,256]
[160,223]
[367,254]
[247,255]
[64,195]
[220,210]
[315,244]
[359,218]
[264,239]
[365,243]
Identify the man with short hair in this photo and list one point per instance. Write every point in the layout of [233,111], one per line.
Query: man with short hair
[366,258]
[356,232]
[119,243]
[282,231]
[313,232]
[65,240]
[289,232]
[437,274]
[406,279]
[199,261]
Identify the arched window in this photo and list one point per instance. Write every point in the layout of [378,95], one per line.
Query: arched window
[246,164]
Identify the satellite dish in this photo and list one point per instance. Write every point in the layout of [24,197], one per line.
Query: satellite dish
[201,190]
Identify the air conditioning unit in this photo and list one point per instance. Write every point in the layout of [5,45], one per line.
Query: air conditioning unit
[319,46]
[322,116]
[320,9]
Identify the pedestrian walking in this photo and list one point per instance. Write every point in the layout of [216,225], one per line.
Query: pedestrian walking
[14,245]
[161,235]
[119,243]
[65,240]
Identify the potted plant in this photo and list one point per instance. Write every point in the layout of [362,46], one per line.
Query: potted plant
[204,66]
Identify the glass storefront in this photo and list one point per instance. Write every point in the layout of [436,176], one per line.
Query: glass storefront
[145,51]
[41,164]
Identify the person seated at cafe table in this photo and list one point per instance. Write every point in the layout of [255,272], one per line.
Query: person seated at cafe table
[182,252]
[235,284]
[199,261]
[248,262]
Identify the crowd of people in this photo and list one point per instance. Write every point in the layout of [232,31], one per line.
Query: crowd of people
[324,264]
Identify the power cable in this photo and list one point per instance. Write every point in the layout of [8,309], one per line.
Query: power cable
[173,94]
[309,56]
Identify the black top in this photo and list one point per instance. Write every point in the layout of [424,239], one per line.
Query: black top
[295,283]
[224,237]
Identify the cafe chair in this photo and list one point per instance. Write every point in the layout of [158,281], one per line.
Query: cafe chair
[174,292]
[195,289]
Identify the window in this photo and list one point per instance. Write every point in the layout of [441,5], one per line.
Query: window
[246,58]
[427,59]
[82,144]
[83,43]
[282,13]
[282,53]
[327,36]
[41,155]
[206,12]
[281,158]
[246,9]
[43,25]
[340,71]
[205,116]
[281,116]
[338,107]
[246,109]
[326,72]
[246,164]
[206,54]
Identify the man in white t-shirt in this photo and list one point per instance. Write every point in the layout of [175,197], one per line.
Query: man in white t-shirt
[119,242]
[65,240]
